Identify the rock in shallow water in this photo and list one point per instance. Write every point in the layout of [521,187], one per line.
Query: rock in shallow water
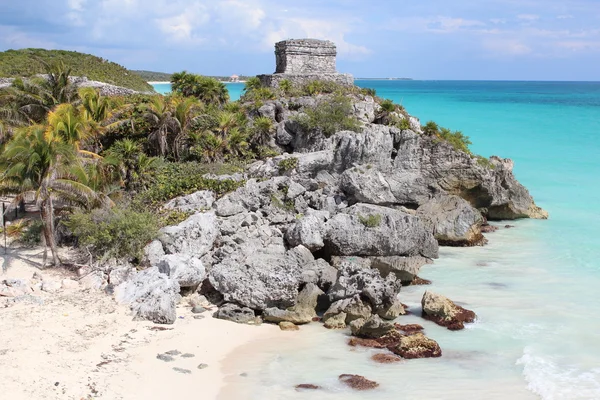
[417,346]
[444,312]
[383,358]
[358,382]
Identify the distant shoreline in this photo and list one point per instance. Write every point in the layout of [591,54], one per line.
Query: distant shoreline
[167,82]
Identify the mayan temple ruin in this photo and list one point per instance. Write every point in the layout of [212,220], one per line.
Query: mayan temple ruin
[303,60]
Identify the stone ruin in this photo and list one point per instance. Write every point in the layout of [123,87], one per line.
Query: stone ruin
[303,60]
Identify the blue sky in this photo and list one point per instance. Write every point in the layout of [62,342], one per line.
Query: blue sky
[427,39]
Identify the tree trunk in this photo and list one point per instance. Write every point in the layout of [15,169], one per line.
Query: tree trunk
[47,214]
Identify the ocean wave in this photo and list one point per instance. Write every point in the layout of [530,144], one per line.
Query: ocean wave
[551,381]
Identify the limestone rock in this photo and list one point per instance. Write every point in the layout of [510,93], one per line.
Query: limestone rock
[493,188]
[368,230]
[261,277]
[119,275]
[373,327]
[194,237]
[358,382]
[151,295]
[354,308]
[236,313]
[384,358]
[417,346]
[404,268]
[306,232]
[444,312]
[391,311]
[319,272]
[95,280]
[186,270]
[302,312]
[198,201]
[288,326]
[335,321]
[356,279]
[453,221]
[154,252]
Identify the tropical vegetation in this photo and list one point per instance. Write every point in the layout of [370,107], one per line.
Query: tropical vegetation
[29,62]
[101,168]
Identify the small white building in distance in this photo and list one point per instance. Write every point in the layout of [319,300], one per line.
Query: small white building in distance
[234,78]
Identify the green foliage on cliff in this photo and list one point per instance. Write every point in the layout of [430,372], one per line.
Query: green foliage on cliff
[177,179]
[151,76]
[456,139]
[331,115]
[120,233]
[28,62]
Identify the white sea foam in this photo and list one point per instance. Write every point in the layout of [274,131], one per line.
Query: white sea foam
[553,382]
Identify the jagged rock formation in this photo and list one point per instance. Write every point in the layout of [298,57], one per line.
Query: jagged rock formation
[351,218]
[303,60]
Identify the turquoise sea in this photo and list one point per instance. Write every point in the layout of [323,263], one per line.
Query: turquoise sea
[535,287]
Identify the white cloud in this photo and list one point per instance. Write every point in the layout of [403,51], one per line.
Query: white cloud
[506,47]
[528,17]
[183,27]
[438,24]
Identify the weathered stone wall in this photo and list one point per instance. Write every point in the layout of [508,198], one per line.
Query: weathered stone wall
[305,56]
[272,80]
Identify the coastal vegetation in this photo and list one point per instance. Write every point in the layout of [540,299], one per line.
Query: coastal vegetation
[30,62]
[102,167]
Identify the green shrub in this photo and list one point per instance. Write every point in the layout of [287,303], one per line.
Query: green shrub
[32,235]
[173,217]
[369,92]
[370,221]
[456,139]
[331,115]
[431,128]
[459,141]
[120,233]
[177,179]
[288,164]
[485,162]
[387,106]
[403,124]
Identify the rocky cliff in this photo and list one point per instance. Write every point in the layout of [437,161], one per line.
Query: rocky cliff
[338,222]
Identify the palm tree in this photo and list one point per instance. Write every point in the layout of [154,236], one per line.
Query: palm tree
[206,89]
[95,110]
[30,100]
[160,113]
[185,114]
[252,84]
[67,123]
[38,163]
[263,128]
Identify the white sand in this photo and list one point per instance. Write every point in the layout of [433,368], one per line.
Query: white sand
[81,345]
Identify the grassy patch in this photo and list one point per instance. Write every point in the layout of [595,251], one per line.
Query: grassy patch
[331,115]
[370,221]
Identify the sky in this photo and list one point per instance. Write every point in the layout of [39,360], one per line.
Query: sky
[426,39]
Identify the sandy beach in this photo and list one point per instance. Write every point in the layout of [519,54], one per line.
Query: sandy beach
[79,344]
